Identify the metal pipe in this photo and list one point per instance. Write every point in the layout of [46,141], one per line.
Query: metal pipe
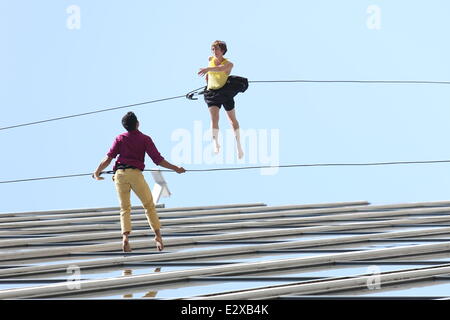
[238,268]
[330,285]
[211,252]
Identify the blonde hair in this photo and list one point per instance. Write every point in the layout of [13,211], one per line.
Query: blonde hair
[221,45]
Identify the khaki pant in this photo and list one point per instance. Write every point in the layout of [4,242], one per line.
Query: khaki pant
[133,179]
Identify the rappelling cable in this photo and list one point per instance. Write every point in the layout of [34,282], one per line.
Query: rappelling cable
[355,81]
[199,91]
[190,95]
[250,167]
[92,112]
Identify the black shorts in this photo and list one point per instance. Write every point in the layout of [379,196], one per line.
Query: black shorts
[223,96]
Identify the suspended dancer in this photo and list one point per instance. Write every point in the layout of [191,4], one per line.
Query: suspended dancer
[220,91]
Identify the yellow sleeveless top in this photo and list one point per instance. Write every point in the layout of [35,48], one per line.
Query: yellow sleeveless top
[216,79]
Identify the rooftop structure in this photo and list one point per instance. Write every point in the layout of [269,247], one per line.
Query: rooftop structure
[240,251]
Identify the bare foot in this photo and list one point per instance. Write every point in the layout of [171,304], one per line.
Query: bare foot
[216,148]
[240,153]
[126,246]
[159,244]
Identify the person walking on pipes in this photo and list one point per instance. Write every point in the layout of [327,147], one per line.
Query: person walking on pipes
[131,148]
[220,92]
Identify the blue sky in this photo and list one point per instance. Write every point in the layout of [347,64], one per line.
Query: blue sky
[135,51]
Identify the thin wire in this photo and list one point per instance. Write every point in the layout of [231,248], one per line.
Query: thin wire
[252,81]
[324,165]
[252,167]
[195,91]
[354,81]
[47,178]
[92,112]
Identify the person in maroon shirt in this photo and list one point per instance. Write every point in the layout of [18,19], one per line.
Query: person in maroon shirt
[131,148]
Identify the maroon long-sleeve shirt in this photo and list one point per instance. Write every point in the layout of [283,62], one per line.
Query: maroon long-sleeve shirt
[131,147]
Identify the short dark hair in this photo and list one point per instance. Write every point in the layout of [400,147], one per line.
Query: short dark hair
[221,45]
[129,121]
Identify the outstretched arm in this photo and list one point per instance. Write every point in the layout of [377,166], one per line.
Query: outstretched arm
[170,166]
[102,166]
[225,68]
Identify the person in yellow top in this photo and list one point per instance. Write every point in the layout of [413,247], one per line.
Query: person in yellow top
[219,92]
